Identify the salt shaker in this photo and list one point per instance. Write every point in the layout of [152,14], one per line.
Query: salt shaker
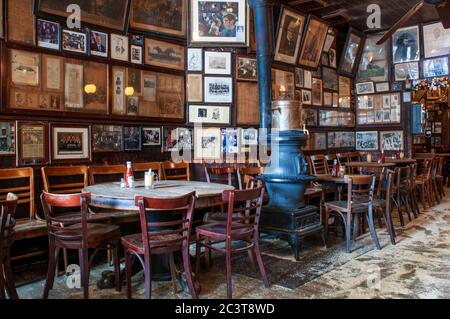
[131,182]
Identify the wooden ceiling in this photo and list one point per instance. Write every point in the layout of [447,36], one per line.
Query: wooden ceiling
[340,13]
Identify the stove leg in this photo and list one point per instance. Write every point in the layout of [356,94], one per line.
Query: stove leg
[294,241]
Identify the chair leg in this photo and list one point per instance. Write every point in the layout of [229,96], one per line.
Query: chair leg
[355,225]
[2,280]
[128,273]
[84,270]
[228,269]
[148,278]
[262,270]
[51,272]
[408,208]
[373,231]
[9,276]
[325,219]
[66,260]
[251,256]
[348,230]
[116,261]
[188,271]
[197,256]
[389,225]
[173,273]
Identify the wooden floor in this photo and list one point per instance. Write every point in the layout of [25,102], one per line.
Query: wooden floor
[417,267]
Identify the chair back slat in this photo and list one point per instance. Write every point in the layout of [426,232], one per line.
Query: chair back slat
[249,172]
[25,191]
[105,171]
[79,174]
[221,175]
[318,165]
[360,191]
[7,220]
[145,167]
[329,160]
[176,171]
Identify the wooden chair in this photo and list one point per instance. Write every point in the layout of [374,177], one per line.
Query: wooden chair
[318,165]
[382,204]
[164,237]
[359,201]
[28,225]
[221,175]
[248,171]
[342,158]
[423,183]
[105,171]
[74,232]
[77,174]
[243,209]
[7,224]
[413,189]
[440,177]
[329,160]
[176,171]
[354,157]
[434,184]
[145,167]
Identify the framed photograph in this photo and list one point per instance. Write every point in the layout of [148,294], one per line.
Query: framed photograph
[218,89]
[307,97]
[230,140]
[309,118]
[283,85]
[405,71]
[435,67]
[134,80]
[160,16]
[382,87]
[249,136]
[436,40]
[207,144]
[194,87]
[328,99]
[118,88]
[314,39]
[325,59]
[107,138]
[73,86]
[176,139]
[52,73]
[70,142]
[132,138]
[308,79]
[32,147]
[341,139]
[332,58]
[151,136]
[374,64]
[25,68]
[7,138]
[110,14]
[48,34]
[96,73]
[218,63]
[289,36]
[246,69]
[330,79]
[74,41]
[352,52]
[406,45]
[365,88]
[209,114]
[367,141]
[392,141]
[119,47]
[136,54]
[195,60]
[164,54]
[211,24]
[345,85]
[317,92]
[386,101]
[299,78]
[137,40]
[318,141]
[133,105]
[99,44]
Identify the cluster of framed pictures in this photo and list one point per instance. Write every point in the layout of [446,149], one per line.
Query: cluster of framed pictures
[389,141]
[321,141]
[336,118]
[379,109]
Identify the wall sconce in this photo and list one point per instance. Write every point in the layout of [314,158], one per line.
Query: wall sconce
[90,88]
[129,91]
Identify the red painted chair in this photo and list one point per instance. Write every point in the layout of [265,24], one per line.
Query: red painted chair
[243,209]
[164,237]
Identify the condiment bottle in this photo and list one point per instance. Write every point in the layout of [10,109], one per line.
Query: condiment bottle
[129,174]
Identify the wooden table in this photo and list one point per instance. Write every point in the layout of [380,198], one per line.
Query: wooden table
[369,164]
[401,162]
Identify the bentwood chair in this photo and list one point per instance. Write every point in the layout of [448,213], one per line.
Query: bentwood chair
[176,171]
[70,231]
[64,179]
[440,177]
[413,189]
[423,183]
[140,168]
[359,201]
[329,161]
[382,204]
[106,173]
[318,165]
[248,171]
[243,209]
[7,224]
[221,175]
[169,235]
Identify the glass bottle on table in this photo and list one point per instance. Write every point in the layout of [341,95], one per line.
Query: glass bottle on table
[129,175]
[334,171]
[383,157]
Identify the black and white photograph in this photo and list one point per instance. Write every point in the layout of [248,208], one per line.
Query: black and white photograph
[209,114]
[7,138]
[249,136]
[406,71]
[351,54]
[307,97]
[309,117]
[290,31]
[151,136]
[74,41]
[330,79]
[391,141]
[107,138]
[435,67]
[136,54]
[99,44]
[132,138]
[70,143]
[341,139]
[176,139]
[132,105]
[365,88]
[367,141]
[406,45]
[137,40]
[436,40]
[195,59]
[230,140]
[382,87]
[119,47]
[299,78]
[246,69]
[332,58]
[218,63]
[374,65]
[218,89]
[48,34]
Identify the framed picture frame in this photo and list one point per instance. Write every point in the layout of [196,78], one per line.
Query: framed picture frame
[317,92]
[48,34]
[352,52]
[231,141]
[25,68]
[119,47]
[137,39]
[52,73]
[207,144]
[365,88]
[74,41]
[307,97]
[195,59]
[330,40]
[218,63]
[246,69]
[7,138]
[367,141]
[111,16]
[164,17]
[289,35]
[133,105]
[96,73]
[247,108]
[392,140]
[332,58]
[382,87]
[435,67]
[194,87]
[341,140]
[107,138]
[218,89]
[134,80]
[73,86]
[132,140]
[176,139]
[299,78]
[151,136]
[249,136]
[436,40]
[32,143]
[99,43]
[314,37]
[210,25]
[136,54]
[406,71]
[70,143]
[330,79]
[327,99]
[309,117]
[283,84]
[209,114]
[406,45]
[374,65]
[164,54]
[119,82]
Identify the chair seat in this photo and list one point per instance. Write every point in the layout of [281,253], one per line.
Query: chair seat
[314,191]
[342,207]
[219,230]
[379,203]
[134,242]
[98,235]
[73,218]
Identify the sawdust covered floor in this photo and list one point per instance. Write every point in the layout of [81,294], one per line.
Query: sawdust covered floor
[417,267]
